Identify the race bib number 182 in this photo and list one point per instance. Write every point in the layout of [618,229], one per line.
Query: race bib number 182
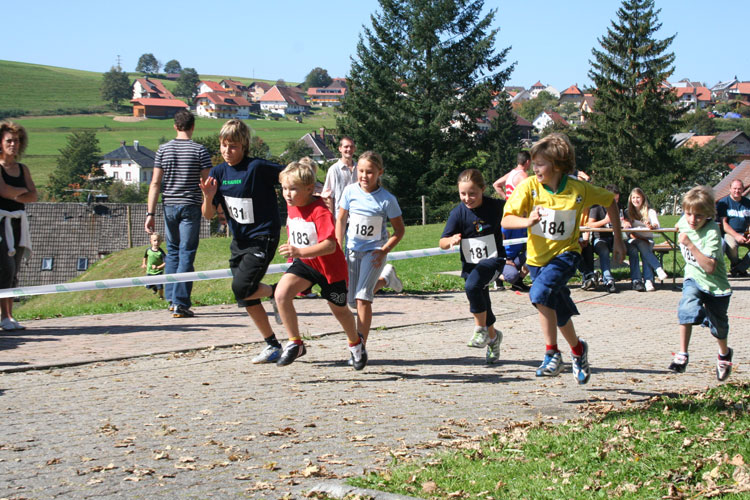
[555,224]
[362,227]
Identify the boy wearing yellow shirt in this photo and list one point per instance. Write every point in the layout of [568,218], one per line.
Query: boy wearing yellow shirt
[549,204]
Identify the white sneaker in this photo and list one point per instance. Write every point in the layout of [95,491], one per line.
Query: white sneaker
[391,280]
[650,286]
[661,274]
[19,326]
[8,324]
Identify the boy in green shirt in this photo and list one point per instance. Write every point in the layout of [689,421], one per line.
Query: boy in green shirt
[706,290]
[153,262]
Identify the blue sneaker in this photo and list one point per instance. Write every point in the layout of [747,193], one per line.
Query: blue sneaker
[551,366]
[268,355]
[581,368]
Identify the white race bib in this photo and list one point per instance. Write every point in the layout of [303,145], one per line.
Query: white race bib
[476,249]
[240,209]
[302,233]
[363,227]
[688,256]
[555,224]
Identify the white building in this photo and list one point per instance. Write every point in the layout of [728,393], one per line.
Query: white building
[130,164]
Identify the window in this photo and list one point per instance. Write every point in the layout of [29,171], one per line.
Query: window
[127,176]
[82,264]
[116,175]
[48,263]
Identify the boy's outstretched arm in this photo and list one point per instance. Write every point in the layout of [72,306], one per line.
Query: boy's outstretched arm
[618,249]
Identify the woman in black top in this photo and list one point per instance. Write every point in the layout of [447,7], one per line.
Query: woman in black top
[16,189]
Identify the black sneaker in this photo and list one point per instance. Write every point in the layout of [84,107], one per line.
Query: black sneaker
[358,362]
[182,312]
[638,286]
[520,286]
[739,274]
[724,366]
[610,286]
[680,362]
[291,352]
[589,284]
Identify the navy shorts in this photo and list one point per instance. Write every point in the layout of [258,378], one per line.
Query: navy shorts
[249,262]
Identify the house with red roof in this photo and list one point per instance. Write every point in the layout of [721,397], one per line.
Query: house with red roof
[739,91]
[258,90]
[283,100]
[235,88]
[153,107]
[332,95]
[740,172]
[587,106]
[222,105]
[547,118]
[693,97]
[571,94]
[145,87]
[205,86]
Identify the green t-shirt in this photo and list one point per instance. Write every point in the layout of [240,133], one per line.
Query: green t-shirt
[154,258]
[708,241]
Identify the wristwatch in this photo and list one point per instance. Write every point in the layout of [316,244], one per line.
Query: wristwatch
[152,214]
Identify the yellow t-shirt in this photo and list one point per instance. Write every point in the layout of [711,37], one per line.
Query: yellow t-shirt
[558,230]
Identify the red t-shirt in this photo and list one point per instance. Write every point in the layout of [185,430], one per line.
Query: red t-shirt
[309,225]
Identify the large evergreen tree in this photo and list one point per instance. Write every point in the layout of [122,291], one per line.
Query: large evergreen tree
[115,86]
[424,73]
[635,116]
[77,161]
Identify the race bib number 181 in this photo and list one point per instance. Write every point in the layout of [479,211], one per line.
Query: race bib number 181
[555,224]
[476,249]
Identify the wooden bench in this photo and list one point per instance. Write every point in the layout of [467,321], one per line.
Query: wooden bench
[664,248]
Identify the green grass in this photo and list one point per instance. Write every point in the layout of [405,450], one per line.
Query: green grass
[419,275]
[685,446]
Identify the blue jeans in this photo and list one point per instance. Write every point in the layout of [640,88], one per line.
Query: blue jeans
[602,248]
[182,224]
[637,246]
[701,308]
[549,285]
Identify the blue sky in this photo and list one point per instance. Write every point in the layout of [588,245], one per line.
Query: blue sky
[551,40]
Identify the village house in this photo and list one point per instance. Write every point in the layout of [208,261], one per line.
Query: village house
[547,118]
[145,88]
[283,100]
[235,88]
[222,105]
[587,106]
[205,86]
[737,140]
[693,98]
[571,94]
[333,95]
[258,90]
[317,143]
[129,164]
[151,107]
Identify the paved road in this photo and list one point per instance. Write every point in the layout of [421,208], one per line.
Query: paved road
[101,417]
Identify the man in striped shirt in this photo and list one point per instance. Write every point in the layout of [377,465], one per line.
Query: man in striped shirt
[179,166]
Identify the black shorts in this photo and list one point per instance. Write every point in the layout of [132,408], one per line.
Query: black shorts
[249,262]
[334,293]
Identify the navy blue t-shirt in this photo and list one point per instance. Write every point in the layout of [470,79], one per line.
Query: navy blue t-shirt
[246,194]
[736,212]
[477,223]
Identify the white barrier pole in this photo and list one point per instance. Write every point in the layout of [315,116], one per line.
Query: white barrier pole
[194,276]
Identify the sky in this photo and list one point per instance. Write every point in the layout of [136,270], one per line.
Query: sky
[550,40]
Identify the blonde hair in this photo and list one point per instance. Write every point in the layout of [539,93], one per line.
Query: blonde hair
[159,237]
[700,199]
[634,213]
[236,131]
[558,150]
[474,176]
[374,158]
[9,127]
[299,172]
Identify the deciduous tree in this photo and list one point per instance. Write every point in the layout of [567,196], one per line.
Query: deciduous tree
[187,83]
[422,76]
[635,116]
[172,66]
[77,161]
[115,86]
[148,64]
[318,77]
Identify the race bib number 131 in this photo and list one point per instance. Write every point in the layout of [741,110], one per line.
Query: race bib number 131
[240,209]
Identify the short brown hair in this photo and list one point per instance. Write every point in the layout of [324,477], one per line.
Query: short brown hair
[235,130]
[8,127]
[700,199]
[184,120]
[474,176]
[558,150]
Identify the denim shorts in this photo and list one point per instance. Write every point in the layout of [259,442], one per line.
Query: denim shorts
[700,308]
[549,285]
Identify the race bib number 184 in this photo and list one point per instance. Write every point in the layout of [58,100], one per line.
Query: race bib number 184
[555,224]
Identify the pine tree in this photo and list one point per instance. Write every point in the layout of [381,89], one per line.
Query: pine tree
[424,73]
[635,116]
[77,161]
[115,86]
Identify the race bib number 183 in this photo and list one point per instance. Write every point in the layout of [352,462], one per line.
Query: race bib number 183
[555,224]
[302,233]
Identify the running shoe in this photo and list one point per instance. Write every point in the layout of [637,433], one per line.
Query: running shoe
[589,284]
[391,280]
[724,367]
[551,365]
[479,339]
[680,362]
[267,355]
[291,352]
[182,312]
[610,286]
[18,325]
[649,285]
[493,348]
[661,273]
[8,324]
[358,356]
[581,368]
[638,286]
